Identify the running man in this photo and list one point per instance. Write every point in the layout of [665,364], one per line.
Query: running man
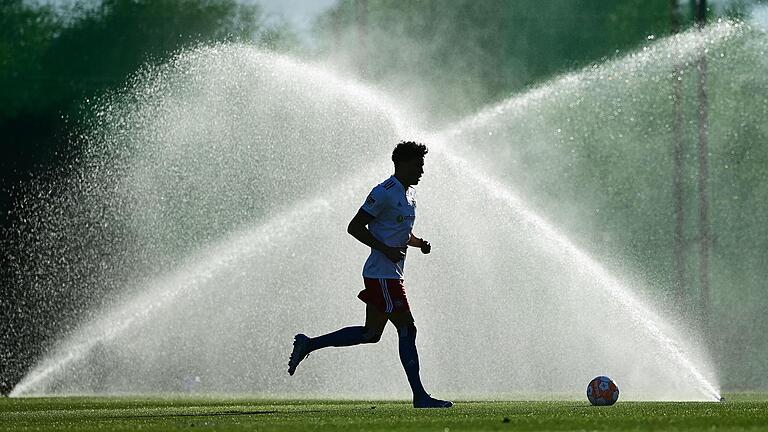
[389,213]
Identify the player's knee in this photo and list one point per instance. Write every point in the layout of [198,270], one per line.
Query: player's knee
[371,336]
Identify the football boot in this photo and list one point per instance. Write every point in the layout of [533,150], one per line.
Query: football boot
[299,353]
[428,401]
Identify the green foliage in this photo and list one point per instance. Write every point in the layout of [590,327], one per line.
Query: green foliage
[467,53]
[103,45]
[49,61]
[25,34]
[52,61]
[453,56]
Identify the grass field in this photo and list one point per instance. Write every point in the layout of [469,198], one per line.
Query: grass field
[741,412]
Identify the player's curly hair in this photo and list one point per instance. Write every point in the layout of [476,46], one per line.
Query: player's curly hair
[408,150]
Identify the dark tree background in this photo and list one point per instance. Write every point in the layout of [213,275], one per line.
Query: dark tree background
[51,62]
[454,56]
[473,52]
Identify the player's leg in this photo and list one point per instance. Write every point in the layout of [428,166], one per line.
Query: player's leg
[375,321]
[409,357]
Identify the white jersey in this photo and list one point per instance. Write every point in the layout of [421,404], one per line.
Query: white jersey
[394,212]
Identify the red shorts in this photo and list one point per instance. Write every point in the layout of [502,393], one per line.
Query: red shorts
[386,295]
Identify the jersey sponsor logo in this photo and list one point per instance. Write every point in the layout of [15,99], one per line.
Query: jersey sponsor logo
[370,201]
[401,218]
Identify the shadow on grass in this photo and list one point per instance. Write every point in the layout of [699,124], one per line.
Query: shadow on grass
[210,414]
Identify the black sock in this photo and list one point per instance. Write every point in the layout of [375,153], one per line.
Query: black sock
[347,336]
[409,357]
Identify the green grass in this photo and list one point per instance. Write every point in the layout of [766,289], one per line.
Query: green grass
[741,412]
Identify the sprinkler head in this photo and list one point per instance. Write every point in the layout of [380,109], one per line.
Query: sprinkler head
[722,398]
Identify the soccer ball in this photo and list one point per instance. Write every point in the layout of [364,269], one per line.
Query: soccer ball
[602,391]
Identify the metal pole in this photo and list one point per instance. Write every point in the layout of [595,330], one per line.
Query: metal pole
[336,16]
[678,153]
[362,35]
[704,234]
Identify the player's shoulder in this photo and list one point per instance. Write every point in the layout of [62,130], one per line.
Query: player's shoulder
[381,197]
[384,188]
[388,184]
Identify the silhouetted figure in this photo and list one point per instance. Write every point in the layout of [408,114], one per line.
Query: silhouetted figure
[384,223]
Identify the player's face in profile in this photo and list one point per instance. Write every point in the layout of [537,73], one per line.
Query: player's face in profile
[413,170]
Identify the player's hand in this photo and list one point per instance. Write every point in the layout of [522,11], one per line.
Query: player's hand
[425,247]
[394,254]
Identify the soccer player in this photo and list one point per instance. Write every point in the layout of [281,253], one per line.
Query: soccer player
[385,223]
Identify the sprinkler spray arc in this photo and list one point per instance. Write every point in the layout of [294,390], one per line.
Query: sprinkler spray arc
[492,187]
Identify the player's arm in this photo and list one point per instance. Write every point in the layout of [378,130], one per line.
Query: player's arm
[420,243]
[358,228]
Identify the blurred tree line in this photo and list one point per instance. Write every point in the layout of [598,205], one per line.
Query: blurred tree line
[467,53]
[52,60]
[454,56]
